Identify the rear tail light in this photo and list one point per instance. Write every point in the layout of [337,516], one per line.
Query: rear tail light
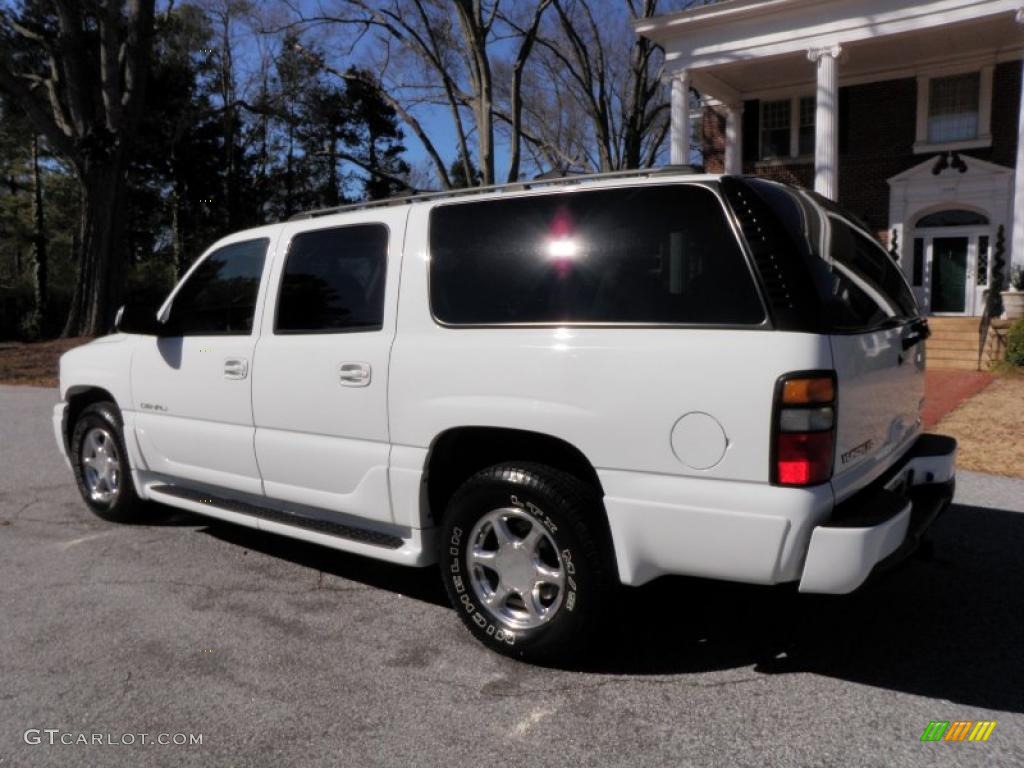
[804,428]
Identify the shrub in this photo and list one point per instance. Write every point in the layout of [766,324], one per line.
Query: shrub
[1017,278]
[1015,343]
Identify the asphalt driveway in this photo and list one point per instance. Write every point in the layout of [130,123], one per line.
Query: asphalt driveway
[282,653]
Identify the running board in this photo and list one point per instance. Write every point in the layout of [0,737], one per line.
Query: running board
[352,533]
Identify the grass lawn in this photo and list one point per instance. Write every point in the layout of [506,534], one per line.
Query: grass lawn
[990,428]
[34,365]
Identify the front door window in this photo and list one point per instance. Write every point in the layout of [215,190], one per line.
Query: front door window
[949,274]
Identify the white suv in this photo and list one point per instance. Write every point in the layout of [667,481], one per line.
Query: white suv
[548,388]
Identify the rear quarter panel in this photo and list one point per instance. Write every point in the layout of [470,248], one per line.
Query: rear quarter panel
[881,388]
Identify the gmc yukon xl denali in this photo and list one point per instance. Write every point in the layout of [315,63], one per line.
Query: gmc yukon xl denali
[549,389]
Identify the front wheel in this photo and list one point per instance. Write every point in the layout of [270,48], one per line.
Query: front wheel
[101,465]
[525,560]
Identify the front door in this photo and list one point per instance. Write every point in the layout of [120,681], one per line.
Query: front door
[950,268]
[320,381]
[949,274]
[191,387]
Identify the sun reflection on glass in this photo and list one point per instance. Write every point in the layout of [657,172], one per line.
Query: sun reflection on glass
[563,248]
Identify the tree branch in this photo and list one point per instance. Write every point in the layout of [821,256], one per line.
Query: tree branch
[42,121]
[406,116]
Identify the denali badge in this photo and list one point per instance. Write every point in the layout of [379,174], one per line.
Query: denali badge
[856,451]
[152,407]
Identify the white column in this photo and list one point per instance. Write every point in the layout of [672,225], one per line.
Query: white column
[826,122]
[734,138]
[1017,242]
[680,127]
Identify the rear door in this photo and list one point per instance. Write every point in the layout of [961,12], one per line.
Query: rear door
[878,354]
[320,380]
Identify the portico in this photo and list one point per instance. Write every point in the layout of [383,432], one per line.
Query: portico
[790,62]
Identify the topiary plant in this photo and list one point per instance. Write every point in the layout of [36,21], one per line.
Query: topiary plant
[1015,343]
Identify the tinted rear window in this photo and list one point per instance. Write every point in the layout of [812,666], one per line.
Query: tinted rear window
[856,284]
[659,255]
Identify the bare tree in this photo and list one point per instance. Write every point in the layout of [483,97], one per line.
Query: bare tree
[78,71]
[595,71]
[446,53]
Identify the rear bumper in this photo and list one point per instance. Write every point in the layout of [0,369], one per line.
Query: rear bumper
[884,522]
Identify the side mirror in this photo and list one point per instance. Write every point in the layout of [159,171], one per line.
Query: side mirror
[138,318]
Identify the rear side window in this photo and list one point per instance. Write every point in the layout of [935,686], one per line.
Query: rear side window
[867,289]
[652,255]
[219,297]
[333,281]
[835,276]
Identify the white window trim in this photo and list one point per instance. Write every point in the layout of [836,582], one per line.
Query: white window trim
[984,138]
[794,130]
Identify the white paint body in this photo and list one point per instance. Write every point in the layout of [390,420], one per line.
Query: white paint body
[290,434]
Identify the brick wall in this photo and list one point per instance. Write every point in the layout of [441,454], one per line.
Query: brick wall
[877,126]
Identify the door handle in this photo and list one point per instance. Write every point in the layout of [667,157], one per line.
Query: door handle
[919,332]
[354,374]
[236,368]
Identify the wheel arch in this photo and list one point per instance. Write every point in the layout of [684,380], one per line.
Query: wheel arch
[80,397]
[458,452]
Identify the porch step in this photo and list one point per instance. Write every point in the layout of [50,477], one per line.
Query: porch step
[944,336]
[954,344]
[966,342]
[954,323]
[955,365]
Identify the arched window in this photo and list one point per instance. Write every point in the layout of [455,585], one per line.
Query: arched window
[953,217]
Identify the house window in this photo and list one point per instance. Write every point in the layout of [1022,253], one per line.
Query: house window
[983,260]
[775,128]
[954,111]
[953,217]
[808,108]
[953,108]
[787,127]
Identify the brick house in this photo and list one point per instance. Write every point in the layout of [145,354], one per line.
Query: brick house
[907,112]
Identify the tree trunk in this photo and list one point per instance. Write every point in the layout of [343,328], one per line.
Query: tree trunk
[289,184]
[42,267]
[333,183]
[177,234]
[101,256]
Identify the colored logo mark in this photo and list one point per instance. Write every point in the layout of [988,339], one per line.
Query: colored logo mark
[958,730]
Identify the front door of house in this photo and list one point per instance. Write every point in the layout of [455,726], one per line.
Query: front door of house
[950,269]
[949,274]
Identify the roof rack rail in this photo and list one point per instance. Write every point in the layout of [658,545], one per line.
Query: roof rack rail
[512,186]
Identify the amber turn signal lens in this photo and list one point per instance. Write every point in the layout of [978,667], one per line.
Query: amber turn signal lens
[801,391]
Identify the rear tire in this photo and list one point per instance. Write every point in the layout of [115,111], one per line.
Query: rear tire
[526,561]
[101,467]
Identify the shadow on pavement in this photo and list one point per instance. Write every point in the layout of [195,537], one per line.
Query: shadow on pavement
[418,583]
[950,628]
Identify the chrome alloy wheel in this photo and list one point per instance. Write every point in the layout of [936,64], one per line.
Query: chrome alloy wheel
[515,568]
[101,465]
